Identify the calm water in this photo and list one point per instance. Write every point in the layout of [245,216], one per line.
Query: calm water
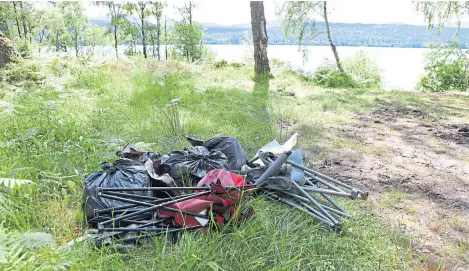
[400,67]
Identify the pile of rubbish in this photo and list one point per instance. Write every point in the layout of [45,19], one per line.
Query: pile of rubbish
[143,194]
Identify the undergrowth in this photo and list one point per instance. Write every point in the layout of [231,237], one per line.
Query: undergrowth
[62,128]
[446,68]
[359,72]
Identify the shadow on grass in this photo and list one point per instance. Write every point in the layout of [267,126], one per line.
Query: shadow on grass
[261,89]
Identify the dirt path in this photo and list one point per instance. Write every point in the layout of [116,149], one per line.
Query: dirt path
[418,169]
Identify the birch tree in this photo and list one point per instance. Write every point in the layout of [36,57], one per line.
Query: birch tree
[298,18]
[260,38]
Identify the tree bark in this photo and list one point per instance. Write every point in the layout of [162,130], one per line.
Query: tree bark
[25,26]
[16,19]
[260,39]
[158,36]
[115,41]
[165,40]
[57,40]
[190,12]
[144,38]
[76,44]
[152,40]
[331,43]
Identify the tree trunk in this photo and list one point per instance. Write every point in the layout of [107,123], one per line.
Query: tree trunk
[158,34]
[16,19]
[57,40]
[152,40]
[144,44]
[76,44]
[115,41]
[25,27]
[165,40]
[144,38]
[41,38]
[331,43]
[190,12]
[260,39]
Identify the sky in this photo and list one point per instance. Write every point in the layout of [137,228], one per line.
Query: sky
[235,12]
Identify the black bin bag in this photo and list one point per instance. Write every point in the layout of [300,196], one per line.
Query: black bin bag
[193,163]
[123,172]
[231,148]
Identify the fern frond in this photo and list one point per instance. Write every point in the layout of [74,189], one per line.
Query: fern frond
[10,183]
[5,205]
[19,251]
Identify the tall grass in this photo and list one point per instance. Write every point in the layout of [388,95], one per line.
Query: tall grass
[64,127]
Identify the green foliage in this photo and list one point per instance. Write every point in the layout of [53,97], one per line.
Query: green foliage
[22,71]
[23,47]
[360,72]
[446,68]
[237,65]
[223,64]
[208,56]
[130,35]
[62,25]
[441,12]
[116,12]
[75,22]
[55,33]
[363,70]
[187,40]
[13,182]
[297,18]
[220,64]
[95,36]
[329,77]
[88,77]
[30,251]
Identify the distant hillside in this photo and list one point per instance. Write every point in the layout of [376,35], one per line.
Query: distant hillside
[371,35]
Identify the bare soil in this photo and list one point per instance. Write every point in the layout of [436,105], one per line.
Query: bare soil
[416,166]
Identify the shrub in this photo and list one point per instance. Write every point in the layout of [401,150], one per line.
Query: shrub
[24,48]
[208,55]
[187,40]
[363,70]
[237,65]
[360,72]
[330,77]
[223,64]
[280,64]
[220,64]
[447,68]
[24,70]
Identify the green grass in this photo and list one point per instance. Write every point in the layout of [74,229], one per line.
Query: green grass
[63,127]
